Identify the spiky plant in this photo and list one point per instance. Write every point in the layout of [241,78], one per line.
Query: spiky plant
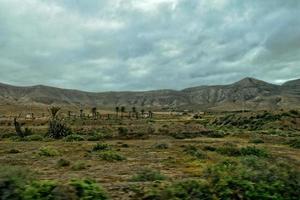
[57,128]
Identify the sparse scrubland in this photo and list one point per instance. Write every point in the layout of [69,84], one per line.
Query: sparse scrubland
[245,155]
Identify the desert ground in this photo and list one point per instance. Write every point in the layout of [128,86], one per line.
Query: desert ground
[207,155]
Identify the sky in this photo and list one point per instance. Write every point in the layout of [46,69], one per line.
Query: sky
[117,45]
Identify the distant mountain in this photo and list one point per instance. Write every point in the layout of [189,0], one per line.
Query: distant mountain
[248,93]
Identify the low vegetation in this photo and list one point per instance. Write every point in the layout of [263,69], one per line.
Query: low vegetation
[241,155]
[145,175]
[48,152]
[18,183]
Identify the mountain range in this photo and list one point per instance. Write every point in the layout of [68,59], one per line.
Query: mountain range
[248,93]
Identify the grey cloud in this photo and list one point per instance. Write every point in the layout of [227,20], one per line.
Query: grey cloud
[147,44]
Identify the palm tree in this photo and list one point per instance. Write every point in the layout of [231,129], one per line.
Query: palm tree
[69,114]
[150,113]
[133,111]
[81,113]
[117,111]
[94,112]
[123,109]
[143,112]
[54,111]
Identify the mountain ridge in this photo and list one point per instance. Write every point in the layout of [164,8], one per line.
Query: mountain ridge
[248,92]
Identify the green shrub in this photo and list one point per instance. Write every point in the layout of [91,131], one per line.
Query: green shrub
[12,181]
[88,190]
[75,190]
[185,190]
[252,150]
[79,165]
[257,141]
[250,178]
[295,143]
[294,112]
[58,129]
[216,134]
[63,163]
[17,184]
[34,137]
[122,131]
[254,178]
[101,147]
[209,148]
[39,190]
[74,138]
[14,151]
[98,136]
[48,152]
[194,152]
[245,151]
[229,151]
[111,156]
[160,146]
[148,175]
[125,145]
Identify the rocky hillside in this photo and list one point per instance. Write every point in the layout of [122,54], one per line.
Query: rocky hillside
[248,93]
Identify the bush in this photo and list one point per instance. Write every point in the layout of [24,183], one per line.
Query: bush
[75,190]
[252,150]
[209,148]
[257,141]
[39,190]
[251,178]
[99,136]
[111,156]
[295,143]
[74,138]
[185,190]
[17,184]
[101,147]
[13,181]
[63,163]
[88,190]
[125,145]
[229,151]
[216,134]
[194,152]
[57,129]
[254,178]
[79,165]
[245,151]
[122,131]
[48,152]
[161,146]
[14,151]
[148,175]
[34,137]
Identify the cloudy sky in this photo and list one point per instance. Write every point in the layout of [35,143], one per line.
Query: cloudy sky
[102,45]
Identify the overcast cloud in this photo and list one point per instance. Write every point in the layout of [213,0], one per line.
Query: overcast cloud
[101,45]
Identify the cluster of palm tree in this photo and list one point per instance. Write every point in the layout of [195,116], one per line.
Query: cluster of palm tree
[132,113]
